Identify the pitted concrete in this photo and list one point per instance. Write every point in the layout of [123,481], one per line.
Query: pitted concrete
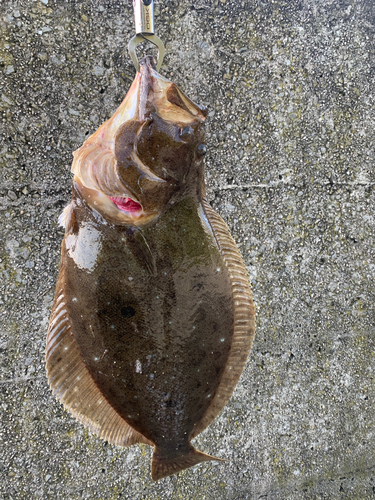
[290,134]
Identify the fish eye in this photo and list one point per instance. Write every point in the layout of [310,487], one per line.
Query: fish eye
[127,311]
[186,132]
[201,149]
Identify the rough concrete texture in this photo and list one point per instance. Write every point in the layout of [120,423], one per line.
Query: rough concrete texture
[290,88]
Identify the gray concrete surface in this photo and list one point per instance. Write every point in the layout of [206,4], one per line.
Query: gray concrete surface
[290,87]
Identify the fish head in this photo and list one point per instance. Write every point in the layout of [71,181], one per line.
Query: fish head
[147,156]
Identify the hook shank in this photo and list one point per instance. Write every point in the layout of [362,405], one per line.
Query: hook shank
[145,30]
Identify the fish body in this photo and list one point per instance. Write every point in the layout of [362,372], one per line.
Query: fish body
[153,319]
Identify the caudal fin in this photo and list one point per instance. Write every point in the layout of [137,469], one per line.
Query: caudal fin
[164,465]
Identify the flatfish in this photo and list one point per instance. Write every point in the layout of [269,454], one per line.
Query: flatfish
[153,318]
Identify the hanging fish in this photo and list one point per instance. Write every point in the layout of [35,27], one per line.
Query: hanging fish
[153,318]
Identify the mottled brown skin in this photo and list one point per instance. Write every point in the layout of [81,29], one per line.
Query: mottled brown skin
[173,325]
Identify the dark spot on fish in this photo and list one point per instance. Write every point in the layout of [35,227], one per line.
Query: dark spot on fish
[201,149]
[186,132]
[198,287]
[170,403]
[127,311]
[200,315]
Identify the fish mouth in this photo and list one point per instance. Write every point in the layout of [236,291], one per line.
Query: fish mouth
[121,210]
[127,205]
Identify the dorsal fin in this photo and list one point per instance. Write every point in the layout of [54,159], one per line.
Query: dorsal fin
[72,384]
[244,317]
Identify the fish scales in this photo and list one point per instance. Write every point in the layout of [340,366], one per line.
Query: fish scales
[153,318]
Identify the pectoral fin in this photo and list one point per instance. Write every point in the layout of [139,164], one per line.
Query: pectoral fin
[140,249]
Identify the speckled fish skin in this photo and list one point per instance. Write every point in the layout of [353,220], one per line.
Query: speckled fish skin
[153,318]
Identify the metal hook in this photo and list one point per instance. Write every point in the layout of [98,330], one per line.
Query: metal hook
[137,39]
[144,29]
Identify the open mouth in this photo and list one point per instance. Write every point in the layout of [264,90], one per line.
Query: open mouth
[126,204]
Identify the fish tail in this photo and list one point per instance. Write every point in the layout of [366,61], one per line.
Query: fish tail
[164,464]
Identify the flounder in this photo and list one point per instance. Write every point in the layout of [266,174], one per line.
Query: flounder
[153,318]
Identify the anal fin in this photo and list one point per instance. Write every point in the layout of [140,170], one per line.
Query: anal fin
[73,385]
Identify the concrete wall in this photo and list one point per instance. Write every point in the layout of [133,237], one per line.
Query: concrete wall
[290,134]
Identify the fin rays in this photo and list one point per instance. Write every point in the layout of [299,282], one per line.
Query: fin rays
[244,314]
[163,466]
